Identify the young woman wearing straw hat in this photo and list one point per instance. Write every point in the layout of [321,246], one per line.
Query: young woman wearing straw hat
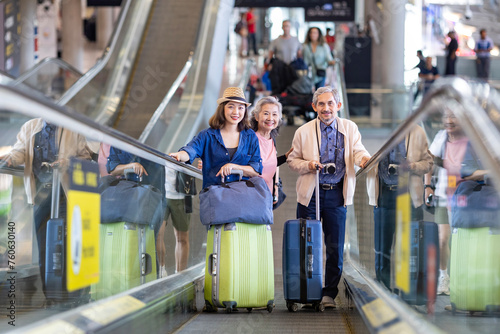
[228,144]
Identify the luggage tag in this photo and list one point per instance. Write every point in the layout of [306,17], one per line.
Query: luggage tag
[452,181]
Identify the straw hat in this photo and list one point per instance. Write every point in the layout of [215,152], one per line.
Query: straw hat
[234,94]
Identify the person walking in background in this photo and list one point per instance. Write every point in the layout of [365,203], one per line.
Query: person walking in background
[334,144]
[483,47]
[251,20]
[286,47]
[428,74]
[421,62]
[42,146]
[241,30]
[420,66]
[330,40]
[317,55]
[451,53]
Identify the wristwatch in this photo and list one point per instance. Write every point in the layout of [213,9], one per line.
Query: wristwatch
[429,186]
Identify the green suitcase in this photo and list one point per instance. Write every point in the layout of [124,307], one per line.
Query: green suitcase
[239,270]
[475,269]
[127,258]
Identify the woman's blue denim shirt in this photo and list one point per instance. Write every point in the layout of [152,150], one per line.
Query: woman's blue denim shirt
[156,172]
[209,146]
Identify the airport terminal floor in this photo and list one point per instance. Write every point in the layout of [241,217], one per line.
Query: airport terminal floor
[90,243]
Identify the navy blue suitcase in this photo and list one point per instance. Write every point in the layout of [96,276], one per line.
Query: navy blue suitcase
[424,263]
[303,261]
[54,258]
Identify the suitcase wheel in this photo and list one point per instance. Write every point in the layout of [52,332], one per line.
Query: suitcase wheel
[270,308]
[249,309]
[319,307]
[230,306]
[49,303]
[453,309]
[492,309]
[292,307]
[209,307]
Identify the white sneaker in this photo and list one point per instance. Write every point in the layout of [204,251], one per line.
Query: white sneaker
[443,285]
[163,272]
[328,301]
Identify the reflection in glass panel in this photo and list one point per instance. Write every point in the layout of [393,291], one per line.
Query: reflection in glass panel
[126,242]
[39,152]
[426,225]
[377,107]
[52,77]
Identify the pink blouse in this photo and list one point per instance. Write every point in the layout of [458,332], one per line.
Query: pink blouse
[269,160]
[454,155]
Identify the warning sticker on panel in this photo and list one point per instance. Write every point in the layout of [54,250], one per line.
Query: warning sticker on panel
[378,313]
[112,310]
[402,237]
[397,328]
[84,213]
[57,326]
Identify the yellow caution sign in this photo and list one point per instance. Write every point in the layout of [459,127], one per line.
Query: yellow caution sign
[84,213]
[402,239]
[397,328]
[378,313]
[107,312]
[56,326]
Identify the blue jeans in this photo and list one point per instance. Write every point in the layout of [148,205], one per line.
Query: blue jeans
[252,44]
[320,83]
[333,213]
[483,67]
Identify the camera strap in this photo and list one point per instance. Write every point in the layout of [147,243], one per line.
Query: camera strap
[336,128]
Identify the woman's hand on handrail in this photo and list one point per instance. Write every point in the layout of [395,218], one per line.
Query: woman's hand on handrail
[181,156]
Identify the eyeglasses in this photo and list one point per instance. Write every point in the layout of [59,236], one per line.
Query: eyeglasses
[449,116]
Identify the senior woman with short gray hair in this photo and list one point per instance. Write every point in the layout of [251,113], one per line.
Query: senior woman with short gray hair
[266,120]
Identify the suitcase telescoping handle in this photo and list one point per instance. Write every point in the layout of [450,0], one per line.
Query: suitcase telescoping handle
[317,193]
[212,264]
[56,192]
[130,171]
[146,264]
[238,172]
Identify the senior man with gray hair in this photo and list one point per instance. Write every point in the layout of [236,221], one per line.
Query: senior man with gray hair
[328,141]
